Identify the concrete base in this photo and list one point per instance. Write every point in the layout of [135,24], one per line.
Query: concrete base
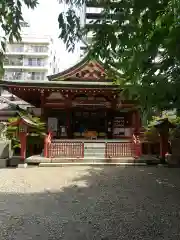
[3,163]
[14,161]
[89,164]
[92,161]
[39,159]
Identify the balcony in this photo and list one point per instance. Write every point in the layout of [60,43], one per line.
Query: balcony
[36,49]
[94,4]
[41,65]
[24,76]
[28,50]
[94,10]
[24,64]
[14,76]
[13,63]
[35,64]
[15,49]
[101,4]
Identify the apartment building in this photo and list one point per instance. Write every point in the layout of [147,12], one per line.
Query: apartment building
[31,59]
[92,12]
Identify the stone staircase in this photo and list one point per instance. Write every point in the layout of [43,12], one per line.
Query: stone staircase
[94,150]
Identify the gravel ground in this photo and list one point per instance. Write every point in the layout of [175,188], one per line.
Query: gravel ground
[79,203]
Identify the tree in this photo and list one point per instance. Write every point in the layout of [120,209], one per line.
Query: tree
[140,38]
[10,19]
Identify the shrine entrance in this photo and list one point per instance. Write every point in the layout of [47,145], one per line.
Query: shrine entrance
[94,121]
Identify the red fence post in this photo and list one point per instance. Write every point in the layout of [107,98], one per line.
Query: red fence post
[138,150]
[46,146]
[47,141]
[83,150]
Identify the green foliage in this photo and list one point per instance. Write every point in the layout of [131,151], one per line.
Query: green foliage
[10,19]
[140,38]
[12,131]
[151,132]
[175,120]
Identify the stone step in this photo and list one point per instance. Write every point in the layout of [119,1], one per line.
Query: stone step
[92,148]
[94,164]
[93,151]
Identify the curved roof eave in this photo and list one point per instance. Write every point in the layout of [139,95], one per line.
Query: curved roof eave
[77,66]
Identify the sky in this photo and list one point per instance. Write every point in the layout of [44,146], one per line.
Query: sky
[44,20]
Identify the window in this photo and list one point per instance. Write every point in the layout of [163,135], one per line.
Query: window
[36,76]
[39,62]
[35,62]
[30,61]
[19,48]
[37,48]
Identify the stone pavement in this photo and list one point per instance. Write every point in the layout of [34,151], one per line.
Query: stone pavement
[82,202]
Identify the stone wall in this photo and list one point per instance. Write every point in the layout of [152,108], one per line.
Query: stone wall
[5,149]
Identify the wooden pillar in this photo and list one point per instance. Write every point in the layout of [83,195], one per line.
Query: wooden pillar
[109,121]
[68,123]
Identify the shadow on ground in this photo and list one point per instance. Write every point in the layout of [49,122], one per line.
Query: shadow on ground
[103,203]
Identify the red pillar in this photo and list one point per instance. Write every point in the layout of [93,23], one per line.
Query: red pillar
[137,122]
[22,137]
[163,145]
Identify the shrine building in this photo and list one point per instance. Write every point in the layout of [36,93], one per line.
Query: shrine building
[80,103]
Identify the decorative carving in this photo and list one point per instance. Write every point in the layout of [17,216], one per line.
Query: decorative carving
[90,71]
[23,128]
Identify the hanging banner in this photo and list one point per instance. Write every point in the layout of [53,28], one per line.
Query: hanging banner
[118,126]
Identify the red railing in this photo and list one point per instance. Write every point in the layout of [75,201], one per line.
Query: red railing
[137,146]
[119,149]
[66,150]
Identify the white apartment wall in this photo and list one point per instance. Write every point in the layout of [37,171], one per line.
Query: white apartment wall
[52,60]
[32,54]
